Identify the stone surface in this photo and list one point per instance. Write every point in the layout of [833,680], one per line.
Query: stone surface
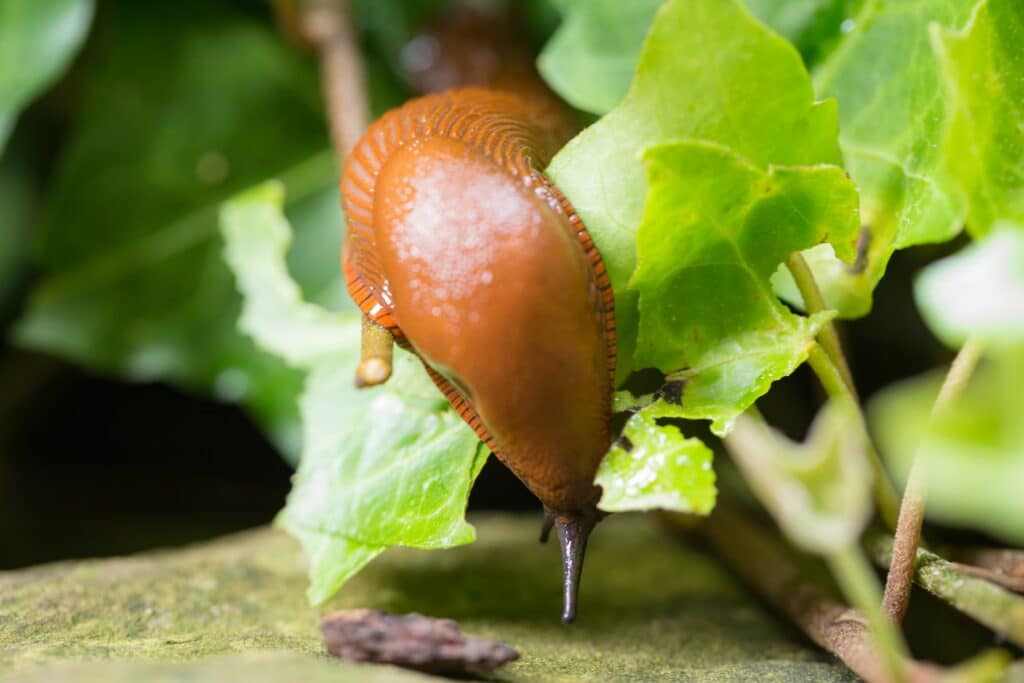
[651,608]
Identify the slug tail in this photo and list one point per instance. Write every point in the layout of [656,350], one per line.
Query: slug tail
[573,532]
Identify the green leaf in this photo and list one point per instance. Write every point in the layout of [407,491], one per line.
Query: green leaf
[892,110]
[819,491]
[973,456]
[274,312]
[715,228]
[38,38]
[654,466]
[386,466]
[813,26]
[737,84]
[590,59]
[978,292]
[133,279]
[983,69]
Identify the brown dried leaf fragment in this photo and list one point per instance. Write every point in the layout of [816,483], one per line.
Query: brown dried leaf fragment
[412,641]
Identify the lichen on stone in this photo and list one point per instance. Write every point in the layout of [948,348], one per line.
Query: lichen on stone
[651,608]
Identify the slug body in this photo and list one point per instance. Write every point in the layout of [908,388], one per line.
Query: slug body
[461,248]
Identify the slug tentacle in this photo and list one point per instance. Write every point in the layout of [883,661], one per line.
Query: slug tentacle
[547,525]
[375,354]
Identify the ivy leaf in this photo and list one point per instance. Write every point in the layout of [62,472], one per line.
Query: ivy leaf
[892,109]
[983,69]
[590,59]
[813,26]
[819,491]
[654,466]
[715,228]
[133,280]
[386,466]
[38,38]
[977,292]
[739,85]
[973,457]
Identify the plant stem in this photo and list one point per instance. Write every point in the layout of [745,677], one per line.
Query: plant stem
[327,25]
[858,583]
[989,604]
[832,381]
[1004,566]
[829,363]
[814,302]
[1007,581]
[899,579]
[760,558]
[959,375]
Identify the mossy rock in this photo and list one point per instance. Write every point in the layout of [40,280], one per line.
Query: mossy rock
[651,608]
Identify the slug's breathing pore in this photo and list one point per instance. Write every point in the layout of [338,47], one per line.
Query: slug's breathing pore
[461,250]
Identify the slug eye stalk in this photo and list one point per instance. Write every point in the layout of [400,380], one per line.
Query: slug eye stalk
[376,349]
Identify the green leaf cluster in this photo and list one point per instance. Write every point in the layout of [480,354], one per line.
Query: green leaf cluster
[983,72]
[696,194]
[892,112]
[973,451]
[133,279]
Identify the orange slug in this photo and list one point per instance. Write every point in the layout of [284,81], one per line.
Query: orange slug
[461,248]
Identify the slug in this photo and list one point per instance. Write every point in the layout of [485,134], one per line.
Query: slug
[461,250]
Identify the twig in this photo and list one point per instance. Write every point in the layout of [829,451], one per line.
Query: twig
[985,602]
[856,579]
[1003,560]
[1007,581]
[900,577]
[814,302]
[1006,563]
[899,580]
[286,14]
[762,561]
[327,25]
[959,375]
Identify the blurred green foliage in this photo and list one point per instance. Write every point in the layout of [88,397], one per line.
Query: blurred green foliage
[37,40]
[134,280]
[972,452]
[17,199]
